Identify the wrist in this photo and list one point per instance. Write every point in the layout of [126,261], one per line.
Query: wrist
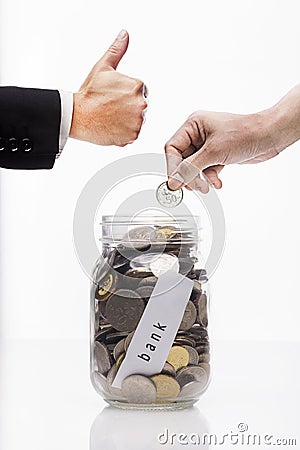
[282,121]
[273,130]
[77,124]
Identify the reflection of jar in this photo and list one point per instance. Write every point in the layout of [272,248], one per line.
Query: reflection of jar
[138,256]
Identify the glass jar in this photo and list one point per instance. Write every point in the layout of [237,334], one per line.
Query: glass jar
[150,273]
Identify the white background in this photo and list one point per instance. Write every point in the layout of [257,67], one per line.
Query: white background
[235,56]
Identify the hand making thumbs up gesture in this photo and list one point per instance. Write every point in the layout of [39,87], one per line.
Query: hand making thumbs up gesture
[109,107]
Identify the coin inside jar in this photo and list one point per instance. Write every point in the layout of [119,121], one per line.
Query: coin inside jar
[197,372]
[124,309]
[163,263]
[202,310]
[189,316]
[102,358]
[148,281]
[168,198]
[139,389]
[178,357]
[167,388]
[164,233]
[107,286]
[139,237]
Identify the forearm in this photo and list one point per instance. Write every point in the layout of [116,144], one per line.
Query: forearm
[282,121]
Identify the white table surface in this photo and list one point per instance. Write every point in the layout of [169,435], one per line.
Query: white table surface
[47,402]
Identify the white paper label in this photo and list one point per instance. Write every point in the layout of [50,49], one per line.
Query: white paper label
[155,333]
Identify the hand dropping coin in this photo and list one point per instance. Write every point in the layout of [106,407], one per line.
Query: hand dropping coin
[168,198]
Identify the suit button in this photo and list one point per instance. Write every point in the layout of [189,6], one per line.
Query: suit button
[2,144]
[12,144]
[26,145]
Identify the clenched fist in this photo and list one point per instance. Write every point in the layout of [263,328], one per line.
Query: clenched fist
[109,107]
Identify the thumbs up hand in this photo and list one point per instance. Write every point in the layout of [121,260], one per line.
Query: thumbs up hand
[109,107]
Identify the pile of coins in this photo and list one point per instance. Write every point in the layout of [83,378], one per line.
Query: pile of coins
[122,286]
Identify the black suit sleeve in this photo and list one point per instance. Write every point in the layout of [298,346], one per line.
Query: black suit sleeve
[29,127]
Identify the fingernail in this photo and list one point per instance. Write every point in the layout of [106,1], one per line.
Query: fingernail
[122,35]
[175,181]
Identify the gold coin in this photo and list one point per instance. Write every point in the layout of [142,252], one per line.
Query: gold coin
[120,360]
[178,357]
[165,233]
[167,388]
[106,285]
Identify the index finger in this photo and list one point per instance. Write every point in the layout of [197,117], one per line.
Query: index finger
[186,141]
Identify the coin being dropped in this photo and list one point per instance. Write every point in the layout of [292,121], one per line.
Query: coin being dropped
[168,198]
[164,263]
[139,389]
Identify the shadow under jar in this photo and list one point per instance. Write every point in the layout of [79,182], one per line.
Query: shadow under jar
[135,253]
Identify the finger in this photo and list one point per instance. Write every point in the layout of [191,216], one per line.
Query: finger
[190,167]
[116,51]
[183,146]
[212,175]
[198,184]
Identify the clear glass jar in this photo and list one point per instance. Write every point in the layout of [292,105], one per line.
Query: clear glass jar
[136,253]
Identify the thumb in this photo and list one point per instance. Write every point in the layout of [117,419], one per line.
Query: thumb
[190,167]
[116,51]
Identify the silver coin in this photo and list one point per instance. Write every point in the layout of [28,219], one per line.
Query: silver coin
[189,316]
[148,281]
[116,392]
[168,198]
[194,357]
[100,380]
[119,349]
[191,389]
[128,340]
[206,367]
[124,310]
[145,291]
[196,292]
[139,237]
[197,372]
[102,357]
[202,310]
[163,263]
[143,261]
[139,389]
[168,369]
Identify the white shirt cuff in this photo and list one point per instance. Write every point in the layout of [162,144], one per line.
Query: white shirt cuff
[66,101]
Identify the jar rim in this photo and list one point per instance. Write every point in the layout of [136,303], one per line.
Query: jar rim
[142,219]
[115,228]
